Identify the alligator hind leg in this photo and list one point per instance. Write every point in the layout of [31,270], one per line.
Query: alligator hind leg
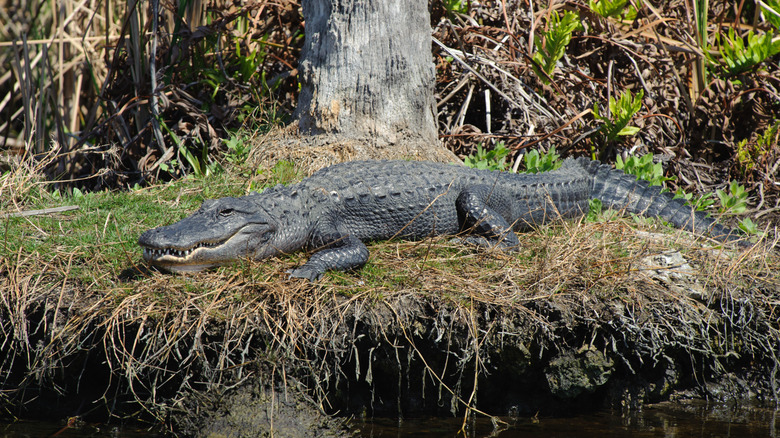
[482,213]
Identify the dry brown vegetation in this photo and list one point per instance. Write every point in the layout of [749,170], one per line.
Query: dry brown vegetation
[429,314]
[117,113]
[119,89]
[692,119]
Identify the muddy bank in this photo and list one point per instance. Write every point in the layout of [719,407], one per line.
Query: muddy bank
[487,335]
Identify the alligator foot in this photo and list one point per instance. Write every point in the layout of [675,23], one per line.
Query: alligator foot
[484,242]
[306,272]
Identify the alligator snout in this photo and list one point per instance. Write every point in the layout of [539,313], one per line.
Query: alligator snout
[148,237]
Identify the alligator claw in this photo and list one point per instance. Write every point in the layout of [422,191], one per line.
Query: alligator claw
[483,242]
[304,272]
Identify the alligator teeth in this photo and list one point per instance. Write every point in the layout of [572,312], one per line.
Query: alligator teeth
[159,252]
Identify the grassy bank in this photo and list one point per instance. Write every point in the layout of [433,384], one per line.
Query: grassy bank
[586,314]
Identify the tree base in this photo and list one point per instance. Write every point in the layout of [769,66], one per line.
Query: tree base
[311,153]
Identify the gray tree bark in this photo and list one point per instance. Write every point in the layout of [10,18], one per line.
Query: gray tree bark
[367,73]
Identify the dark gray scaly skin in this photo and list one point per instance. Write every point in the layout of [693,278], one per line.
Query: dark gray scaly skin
[332,212]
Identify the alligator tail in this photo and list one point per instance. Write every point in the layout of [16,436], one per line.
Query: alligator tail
[620,191]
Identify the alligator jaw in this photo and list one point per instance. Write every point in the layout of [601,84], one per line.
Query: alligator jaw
[181,260]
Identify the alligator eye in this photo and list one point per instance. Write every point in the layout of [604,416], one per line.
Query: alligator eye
[226,212]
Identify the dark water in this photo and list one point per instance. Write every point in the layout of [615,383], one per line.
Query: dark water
[40,429]
[667,420]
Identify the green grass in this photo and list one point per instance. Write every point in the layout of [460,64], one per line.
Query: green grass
[101,236]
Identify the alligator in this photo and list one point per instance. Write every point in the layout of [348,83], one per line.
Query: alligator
[332,212]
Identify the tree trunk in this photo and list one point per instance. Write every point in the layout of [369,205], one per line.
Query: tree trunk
[367,73]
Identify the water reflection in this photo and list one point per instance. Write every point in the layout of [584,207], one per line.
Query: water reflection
[38,429]
[668,420]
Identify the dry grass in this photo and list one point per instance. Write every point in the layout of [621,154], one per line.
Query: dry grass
[50,76]
[117,89]
[488,92]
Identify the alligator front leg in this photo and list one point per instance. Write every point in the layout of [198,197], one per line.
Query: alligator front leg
[482,212]
[334,251]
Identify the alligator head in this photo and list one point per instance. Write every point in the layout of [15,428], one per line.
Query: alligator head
[221,231]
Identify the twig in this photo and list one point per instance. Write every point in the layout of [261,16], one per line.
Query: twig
[455,56]
[455,90]
[41,211]
[487,111]
[464,108]
[550,113]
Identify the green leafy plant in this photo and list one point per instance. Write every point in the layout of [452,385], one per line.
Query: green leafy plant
[242,65]
[494,159]
[247,64]
[735,200]
[746,156]
[551,44]
[283,172]
[701,203]
[595,208]
[771,10]
[195,162]
[170,166]
[751,153]
[537,163]
[238,148]
[456,6]
[643,168]
[748,226]
[613,8]
[740,57]
[621,111]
